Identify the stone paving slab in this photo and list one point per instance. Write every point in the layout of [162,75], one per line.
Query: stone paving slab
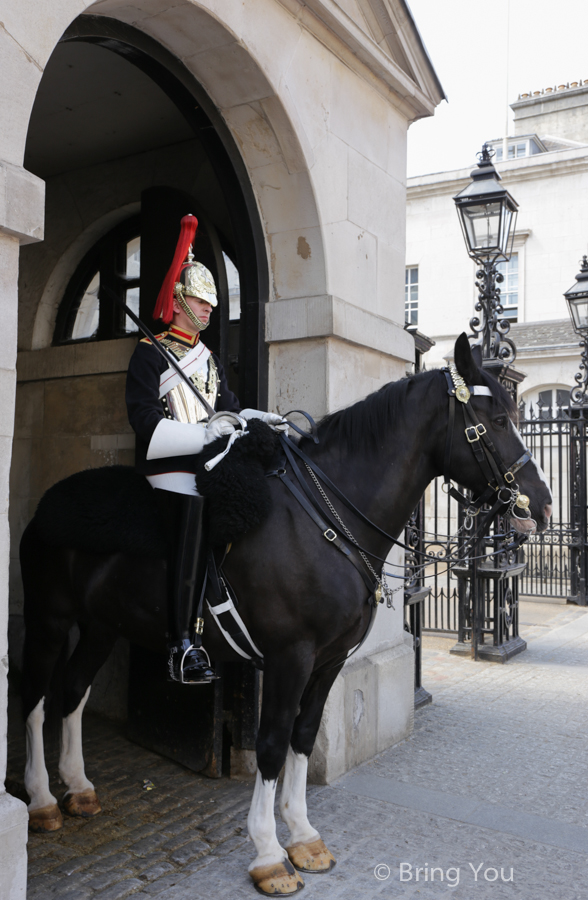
[492,780]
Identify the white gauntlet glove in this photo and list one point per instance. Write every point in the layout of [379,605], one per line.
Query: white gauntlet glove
[278,423]
[220,427]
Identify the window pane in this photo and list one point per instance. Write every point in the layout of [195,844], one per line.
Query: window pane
[521,149]
[132,301]
[134,258]
[414,275]
[86,318]
[234,283]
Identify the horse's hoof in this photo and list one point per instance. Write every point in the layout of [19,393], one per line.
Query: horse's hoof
[280,878]
[45,819]
[85,804]
[312,857]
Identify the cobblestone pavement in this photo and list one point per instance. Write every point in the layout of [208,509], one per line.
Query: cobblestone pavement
[492,779]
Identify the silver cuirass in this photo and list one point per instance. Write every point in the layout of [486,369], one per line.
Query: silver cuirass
[183,406]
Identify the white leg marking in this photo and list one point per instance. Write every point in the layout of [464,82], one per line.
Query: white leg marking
[261,824]
[71,760]
[293,800]
[36,776]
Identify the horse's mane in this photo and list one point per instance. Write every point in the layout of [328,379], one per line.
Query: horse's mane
[365,425]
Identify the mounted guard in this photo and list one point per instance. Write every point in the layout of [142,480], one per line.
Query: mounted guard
[173,424]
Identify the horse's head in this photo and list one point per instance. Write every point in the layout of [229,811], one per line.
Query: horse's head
[487,448]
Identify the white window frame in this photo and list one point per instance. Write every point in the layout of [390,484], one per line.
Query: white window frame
[407,301]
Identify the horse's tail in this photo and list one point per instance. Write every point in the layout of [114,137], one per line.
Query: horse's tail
[46,645]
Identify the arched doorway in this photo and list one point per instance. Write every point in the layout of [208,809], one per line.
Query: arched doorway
[122,136]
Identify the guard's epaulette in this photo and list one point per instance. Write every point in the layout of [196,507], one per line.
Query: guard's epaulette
[158,337]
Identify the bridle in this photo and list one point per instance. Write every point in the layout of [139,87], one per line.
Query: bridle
[501,487]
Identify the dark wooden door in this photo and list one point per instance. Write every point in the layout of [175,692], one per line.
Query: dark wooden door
[194,725]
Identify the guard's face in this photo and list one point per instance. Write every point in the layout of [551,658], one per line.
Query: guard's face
[201,308]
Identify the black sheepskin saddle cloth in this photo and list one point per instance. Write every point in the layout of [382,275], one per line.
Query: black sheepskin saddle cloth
[113,509]
[237,487]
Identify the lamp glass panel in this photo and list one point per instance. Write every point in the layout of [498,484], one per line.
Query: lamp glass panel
[482,224]
[579,311]
[505,230]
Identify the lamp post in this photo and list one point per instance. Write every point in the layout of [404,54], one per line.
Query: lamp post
[487,214]
[577,298]
[488,587]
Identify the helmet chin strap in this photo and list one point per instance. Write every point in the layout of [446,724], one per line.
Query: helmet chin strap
[181,300]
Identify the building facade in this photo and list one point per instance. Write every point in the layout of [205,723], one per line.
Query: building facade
[282,125]
[546,171]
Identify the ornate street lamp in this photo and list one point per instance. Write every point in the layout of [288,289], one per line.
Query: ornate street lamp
[487,214]
[577,298]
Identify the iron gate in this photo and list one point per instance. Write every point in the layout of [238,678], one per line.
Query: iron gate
[557,559]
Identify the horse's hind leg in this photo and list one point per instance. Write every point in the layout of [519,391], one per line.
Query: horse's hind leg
[284,680]
[41,653]
[306,849]
[91,652]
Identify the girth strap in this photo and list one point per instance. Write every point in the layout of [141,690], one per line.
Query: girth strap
[222,603]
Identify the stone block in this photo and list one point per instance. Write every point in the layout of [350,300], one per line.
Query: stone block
[298,263]
[287,199]
[370,708]
[243,764]
[377,201]
[14,822]
[229,75]
[254,135]
[298,377]
[28,419]
[86,406]
[22,203]
[352,259]
[358,115]
[329,179]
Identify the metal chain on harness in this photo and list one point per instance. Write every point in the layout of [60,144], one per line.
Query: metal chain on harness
[386,591]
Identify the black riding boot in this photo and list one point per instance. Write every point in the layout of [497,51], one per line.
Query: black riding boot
[188,662]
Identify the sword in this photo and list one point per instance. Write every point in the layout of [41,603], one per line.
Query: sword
[167,356]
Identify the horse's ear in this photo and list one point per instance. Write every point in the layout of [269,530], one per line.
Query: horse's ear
[477,355]
[464,359]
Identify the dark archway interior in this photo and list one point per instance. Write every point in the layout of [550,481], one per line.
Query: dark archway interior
[116,135]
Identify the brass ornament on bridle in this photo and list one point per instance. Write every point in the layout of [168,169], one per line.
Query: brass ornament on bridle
[462,392]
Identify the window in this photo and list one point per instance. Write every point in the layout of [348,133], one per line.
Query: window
[509,289]
[114,261]
[516,150]
[546,408]
[411,295]
[234,285]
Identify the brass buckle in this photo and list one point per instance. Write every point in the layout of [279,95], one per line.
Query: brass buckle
[478,430]
[199,626]
[330,534]
[509,477]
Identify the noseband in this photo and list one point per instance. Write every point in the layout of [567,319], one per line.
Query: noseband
[500,478]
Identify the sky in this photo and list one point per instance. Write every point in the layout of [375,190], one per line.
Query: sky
[467,42]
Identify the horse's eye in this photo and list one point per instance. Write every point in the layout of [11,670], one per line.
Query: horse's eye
[500,421]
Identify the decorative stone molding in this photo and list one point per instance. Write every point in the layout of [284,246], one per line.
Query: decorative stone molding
[328,316]
[22,203]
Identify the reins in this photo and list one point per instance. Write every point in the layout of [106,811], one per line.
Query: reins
[500,480]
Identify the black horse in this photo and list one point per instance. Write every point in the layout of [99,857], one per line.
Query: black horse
[303,603]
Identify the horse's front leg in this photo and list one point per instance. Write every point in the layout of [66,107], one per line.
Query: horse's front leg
[284,680]
[306,849]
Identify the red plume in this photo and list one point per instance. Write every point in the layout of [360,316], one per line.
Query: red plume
[164,306]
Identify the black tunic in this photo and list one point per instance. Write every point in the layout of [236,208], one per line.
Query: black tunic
[146,410]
